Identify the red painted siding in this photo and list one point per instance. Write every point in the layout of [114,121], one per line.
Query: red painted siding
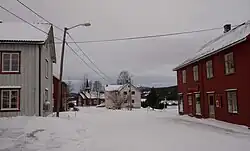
[220,82]
[55,93]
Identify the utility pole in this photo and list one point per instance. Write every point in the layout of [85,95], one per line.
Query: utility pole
[130,95]
[61,73]
[61,66]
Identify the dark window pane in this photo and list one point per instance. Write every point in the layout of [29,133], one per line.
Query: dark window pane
[211,100]
[6,62]
[133,92]
[15,62]
[133,101]
[125,93]
[14,97]
[5,99]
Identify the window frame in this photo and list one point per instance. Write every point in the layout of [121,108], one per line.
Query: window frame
[209,69]
[228,69]
[184,76]
[196,73]
[18,100]
[2,62]
[236,97]
[46,68]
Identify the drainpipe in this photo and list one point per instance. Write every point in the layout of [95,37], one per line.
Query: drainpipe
[39,78]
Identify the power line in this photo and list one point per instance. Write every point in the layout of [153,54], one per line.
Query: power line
[86,62]
[38,15]
[147,37]
[67,33]
[26,21]
[88,57]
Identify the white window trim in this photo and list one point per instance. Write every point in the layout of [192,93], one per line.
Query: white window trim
[46,68]
[209,74]
[196,77]
[231,90]
[10,87]
[210,92]
[184,76]
[18,70]
[8,109]
[227,69]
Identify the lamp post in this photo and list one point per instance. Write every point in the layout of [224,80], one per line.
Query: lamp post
[61,65]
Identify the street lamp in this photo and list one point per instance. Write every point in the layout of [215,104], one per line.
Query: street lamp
[61,65]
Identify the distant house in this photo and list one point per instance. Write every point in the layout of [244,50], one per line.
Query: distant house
[63,101]
[91,98]
[215,82]
[120,94]
[26,69]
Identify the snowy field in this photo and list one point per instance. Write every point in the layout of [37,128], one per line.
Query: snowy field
[99,129]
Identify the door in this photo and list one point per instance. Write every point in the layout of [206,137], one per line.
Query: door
[190,104]
[197,103]
[211,105]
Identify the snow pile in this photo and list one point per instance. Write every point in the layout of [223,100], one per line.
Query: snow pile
[99,129]
[38,133]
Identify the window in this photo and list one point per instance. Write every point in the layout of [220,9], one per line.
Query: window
[184,80]
[125,93]
[10,62]
[46,103]
[209,67]
[10,99]
[198,103]
[196,73]
[229,63]
[232,102]
[133,101]
[46,68]
[133,92]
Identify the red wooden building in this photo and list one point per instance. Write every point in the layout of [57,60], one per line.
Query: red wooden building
[63,103]
[215,83]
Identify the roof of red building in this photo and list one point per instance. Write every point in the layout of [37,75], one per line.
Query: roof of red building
[226,40]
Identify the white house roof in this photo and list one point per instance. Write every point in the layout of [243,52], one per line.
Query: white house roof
[92,95]
[13,31]
[229,39]
[113,87]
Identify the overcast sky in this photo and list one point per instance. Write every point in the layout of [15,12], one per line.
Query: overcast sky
[150,61]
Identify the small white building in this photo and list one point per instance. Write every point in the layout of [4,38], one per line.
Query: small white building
[120,94]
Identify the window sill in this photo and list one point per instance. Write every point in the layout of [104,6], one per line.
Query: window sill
[3,72]
[10,110]
[227,74]
[234,113]
[210,78]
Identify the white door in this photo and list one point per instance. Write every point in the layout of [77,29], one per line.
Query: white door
[198,103]
[181,103]
[211,105]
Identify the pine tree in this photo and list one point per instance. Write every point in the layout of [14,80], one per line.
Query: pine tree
[152,98]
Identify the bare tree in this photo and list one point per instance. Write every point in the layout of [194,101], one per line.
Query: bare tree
[70,87]
[123,78]
[97,86]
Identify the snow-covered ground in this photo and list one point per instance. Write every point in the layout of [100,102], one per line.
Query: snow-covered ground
[99,129]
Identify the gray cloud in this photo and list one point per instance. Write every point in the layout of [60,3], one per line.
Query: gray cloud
[150,60]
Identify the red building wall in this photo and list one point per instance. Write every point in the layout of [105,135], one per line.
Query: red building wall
[239,80]
[55,93]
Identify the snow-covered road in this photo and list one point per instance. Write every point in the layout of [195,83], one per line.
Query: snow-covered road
[98,129]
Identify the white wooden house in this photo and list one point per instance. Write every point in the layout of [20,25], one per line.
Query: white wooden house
[120,94]
[26,75]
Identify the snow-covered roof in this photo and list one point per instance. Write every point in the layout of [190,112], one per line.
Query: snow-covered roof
[229,39]
[23,32]
[113,87]
[92,95]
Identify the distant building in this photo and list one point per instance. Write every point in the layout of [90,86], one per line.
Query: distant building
[90,98]
[63,102]
[215,82]
[120,94]
[26,69]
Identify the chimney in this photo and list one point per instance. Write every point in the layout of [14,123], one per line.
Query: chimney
[227,28]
